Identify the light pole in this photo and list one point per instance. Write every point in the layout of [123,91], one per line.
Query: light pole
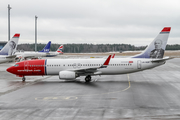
[36,33]
[9,21]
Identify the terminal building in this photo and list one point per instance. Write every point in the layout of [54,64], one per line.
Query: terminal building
[2,44]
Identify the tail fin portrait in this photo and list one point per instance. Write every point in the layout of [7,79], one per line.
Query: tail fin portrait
[46,49]
[59,50]
[10,47]
[157,47]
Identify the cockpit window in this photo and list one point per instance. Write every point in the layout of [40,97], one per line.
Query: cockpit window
[16,65]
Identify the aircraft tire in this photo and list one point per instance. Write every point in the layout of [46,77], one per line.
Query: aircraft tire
[23,79]
[88,78]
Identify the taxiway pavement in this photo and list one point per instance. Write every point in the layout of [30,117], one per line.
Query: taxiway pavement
[150,94]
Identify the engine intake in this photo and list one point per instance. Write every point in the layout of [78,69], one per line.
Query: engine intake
[67,75]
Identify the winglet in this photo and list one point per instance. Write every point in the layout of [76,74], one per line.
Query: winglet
[113,55]
[107,60]
[106,63]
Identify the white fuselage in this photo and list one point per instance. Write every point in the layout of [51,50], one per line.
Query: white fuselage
[116,65]
[30,54]
[3,59]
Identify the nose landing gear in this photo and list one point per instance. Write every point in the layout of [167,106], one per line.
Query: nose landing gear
[23,78]
[88,78]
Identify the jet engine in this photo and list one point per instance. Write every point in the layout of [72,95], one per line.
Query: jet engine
[67,75]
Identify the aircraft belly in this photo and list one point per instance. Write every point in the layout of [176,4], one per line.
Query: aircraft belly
[118,70]
[53,71]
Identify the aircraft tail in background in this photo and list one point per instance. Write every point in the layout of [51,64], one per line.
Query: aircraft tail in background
[10,48]
[59,50]
[46,49]
[157,47]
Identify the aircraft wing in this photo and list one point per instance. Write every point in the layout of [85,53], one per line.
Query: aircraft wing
[25,57]
[22,57]
[93,70]
[11,56]
[161,60]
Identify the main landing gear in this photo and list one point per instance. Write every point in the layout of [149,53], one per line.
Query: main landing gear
[23,78]
[88,78]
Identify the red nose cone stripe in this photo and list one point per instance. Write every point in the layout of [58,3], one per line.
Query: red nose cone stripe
[8,69]
[28,68]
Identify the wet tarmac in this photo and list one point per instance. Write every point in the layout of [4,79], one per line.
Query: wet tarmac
[150,94]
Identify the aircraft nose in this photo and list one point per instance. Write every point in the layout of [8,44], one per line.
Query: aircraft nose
[10,69]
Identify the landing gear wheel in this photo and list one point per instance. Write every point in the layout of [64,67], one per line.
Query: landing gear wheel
[23,79]
[88,78]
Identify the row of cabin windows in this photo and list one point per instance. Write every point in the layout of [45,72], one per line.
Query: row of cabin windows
[36,65]
[85,64]
[93,65]
[120,64]
[101,65]
[81,65]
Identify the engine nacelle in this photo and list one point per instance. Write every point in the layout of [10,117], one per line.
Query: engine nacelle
[67,75]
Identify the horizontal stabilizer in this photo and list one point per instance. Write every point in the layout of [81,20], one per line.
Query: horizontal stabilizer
[161,60]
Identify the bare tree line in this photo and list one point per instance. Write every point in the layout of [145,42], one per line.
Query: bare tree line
[91,48]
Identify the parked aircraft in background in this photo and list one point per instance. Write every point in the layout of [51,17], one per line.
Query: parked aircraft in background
[72,68]
[7,52]
[35,55]
[57,52]
[30,54]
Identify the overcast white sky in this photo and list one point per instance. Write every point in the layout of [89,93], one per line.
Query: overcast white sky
[134,22]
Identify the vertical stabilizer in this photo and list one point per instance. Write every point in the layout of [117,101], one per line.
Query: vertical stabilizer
[157,47]
[59,50]
[10,47]
[46,49]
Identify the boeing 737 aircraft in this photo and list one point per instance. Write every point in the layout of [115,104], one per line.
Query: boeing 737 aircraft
[68,69]
[58,52]
[43,53]
[29,54]
[7,53]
